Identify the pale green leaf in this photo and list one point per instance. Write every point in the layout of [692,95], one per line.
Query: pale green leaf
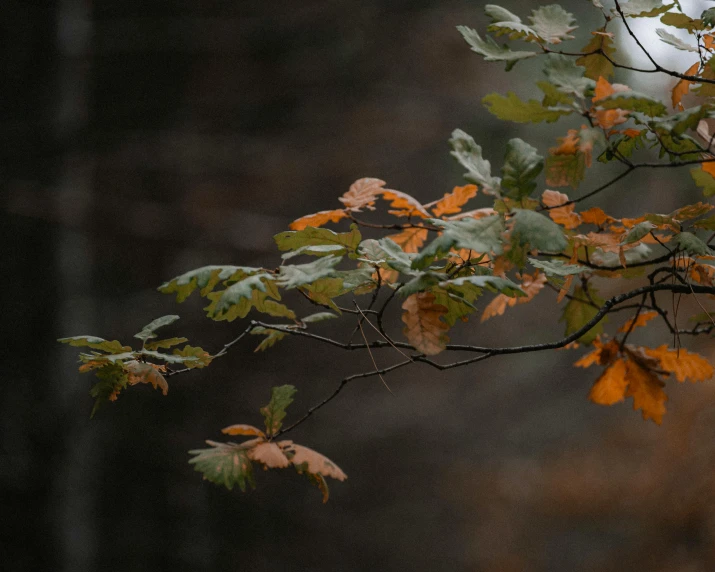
[275,411]
[193,357]
[557,267]
[682,21]
[205,278]
[515,31]
[164,344]
[538,231]
[319,317]
[95,343]
[565,170]
[511,108]
[644,8]
[691,244]
[499,14]
[638,232]
[492,283]
[302,274]
[522,164]
[568,77]
[633,101]
[596,64]
[148,331]
[469,155]
[553,23]
[224,464]
[492,51]
[272,337]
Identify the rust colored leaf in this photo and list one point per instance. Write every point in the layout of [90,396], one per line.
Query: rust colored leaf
[561,215]
[683,364]
[362,194]
[647,392]
[595,216]
[140,372]
[452,202]
[531,285]
[608,118]
[409,206]
[269,454]
[410,239]
[603,354]
[683,86]
[423,327]
[611,387]
[642,319]
[243,430]
[318,219]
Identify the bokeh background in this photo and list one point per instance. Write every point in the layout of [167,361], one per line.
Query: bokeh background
[141,139]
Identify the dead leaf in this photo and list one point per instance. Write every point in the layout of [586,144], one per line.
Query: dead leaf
[683,364]
[269,454]
[362,194]
[611,387]
[423,327]
[311,461]
[141,372]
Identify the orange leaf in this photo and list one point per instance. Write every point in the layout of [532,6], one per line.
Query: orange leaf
[642,319]
[565,288]
[424,329]
[531,285]
[269,454]
[452,202]
[708,167]
[243,430]
[682,363]
[647,392]
[568,145]
[362,194]
[318,219]
[683,87]
[607,118]
[708,41]
[140,372]
[311,461]
[611,387]
[400,200]
[595,216]
[603,354]
[410,239]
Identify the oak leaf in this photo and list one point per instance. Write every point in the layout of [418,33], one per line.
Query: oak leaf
[641,320]
[242,429]
[362,194]
[683,364]
[452,202]
[530,284]
[310,461]
[611,387]
[647,392]
[683,86]
[410,239]
[141,372]
[409,205]
[318,219]
[564,216]
[269,455]
[423,327]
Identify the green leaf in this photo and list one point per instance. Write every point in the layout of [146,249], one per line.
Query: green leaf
[324,290]
[469,155]
[318,241]
[691,244]
[708,17]
[677,123]
[633,101]
[205,278]
[568,77]
[511,108]
[358,280]
[674,41]
[241,290]
[224,464]
[395,257]
[522,164]
[319,317]
[538,231]
[272,337]
[499,14]
[557,267]
[112,347]
[275,411]
[553,23]
[193,357]
[482,235]
[492,283]
[492,51]
[638,232]
[165,344]
[704,180]
[578,312]
[681,21]
[644,8]
[597,64]
[458,303]
[565,170]
[148,330]
[238,306]
[421,282]
[515,31]
[302,274]
[112,380]
[706,223]
[552,96]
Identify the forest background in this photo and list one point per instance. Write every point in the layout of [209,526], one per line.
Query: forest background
[140,140]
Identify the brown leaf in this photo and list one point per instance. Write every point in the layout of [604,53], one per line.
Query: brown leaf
[140,372]
[269,454]
[362,194]
[424,329]
[452,202]
[318,219]
[306,459]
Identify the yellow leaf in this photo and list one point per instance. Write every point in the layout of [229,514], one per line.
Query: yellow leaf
[642,319]
[318,219]
[647,392]
[683,364]
[683,86]
[423,327]
[611,387]
[452,202]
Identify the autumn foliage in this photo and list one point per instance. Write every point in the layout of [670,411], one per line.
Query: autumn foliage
[514,236]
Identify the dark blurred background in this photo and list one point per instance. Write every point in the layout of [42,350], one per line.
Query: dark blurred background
[144,139]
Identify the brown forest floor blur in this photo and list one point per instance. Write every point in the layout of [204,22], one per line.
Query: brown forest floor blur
[142,139]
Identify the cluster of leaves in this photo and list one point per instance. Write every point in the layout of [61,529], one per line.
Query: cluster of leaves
[489,245]
[116,366]
[230,464]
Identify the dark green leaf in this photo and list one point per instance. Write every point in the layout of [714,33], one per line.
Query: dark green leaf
[538,231]
[275,411]
[522,164]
